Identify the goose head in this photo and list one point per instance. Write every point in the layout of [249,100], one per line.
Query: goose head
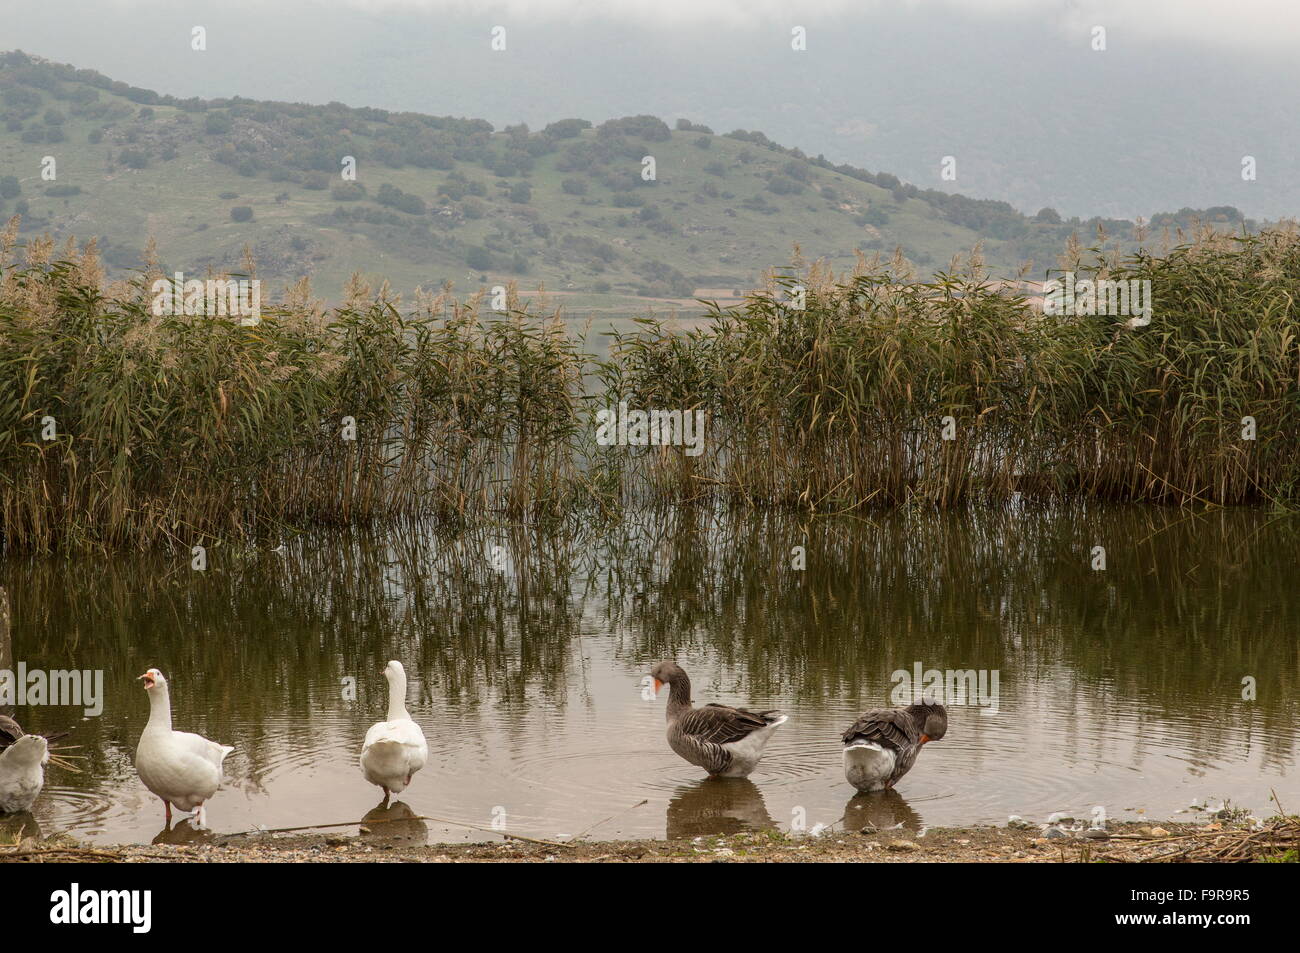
[28,750]
[667,673]
[932,718]
[394,670]
[153,680]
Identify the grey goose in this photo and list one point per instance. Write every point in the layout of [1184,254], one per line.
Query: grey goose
[882,745]
[726,742]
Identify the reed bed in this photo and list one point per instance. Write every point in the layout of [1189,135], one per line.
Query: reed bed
[844,402]
[882,390]
[122,427]
[1159,413]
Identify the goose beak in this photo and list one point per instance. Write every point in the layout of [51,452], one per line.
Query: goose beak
[924,739]
[658,685]
[147,679]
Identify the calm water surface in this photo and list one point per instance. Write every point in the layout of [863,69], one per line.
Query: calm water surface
[1120,688]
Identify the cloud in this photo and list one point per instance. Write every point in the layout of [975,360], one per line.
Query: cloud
[1243,24]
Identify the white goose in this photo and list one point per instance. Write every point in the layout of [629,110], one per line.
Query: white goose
[22,773]
[394,749]
[183,769]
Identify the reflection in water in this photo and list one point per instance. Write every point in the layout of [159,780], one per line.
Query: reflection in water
[1120,687]
[16,828]
[394,824]
[184,831]
[879,811]
[717,806]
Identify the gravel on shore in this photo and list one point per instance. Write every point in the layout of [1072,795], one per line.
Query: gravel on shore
[1276,839]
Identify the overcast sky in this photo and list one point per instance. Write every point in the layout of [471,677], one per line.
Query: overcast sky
[1270,26]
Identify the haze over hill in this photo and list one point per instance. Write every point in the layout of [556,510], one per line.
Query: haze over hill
[1013,89]
[625,207]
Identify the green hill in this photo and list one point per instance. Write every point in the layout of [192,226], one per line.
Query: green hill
[442,199]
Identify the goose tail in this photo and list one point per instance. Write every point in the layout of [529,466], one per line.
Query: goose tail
[867,765]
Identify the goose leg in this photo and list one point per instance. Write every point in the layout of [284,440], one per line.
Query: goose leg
[386,796]
[201,816]
[168,804]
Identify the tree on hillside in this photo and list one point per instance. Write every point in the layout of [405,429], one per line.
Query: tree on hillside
[566,128]
[217,123]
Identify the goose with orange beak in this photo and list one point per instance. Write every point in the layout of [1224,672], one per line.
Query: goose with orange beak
[882,745]
[181,768]
[726,742]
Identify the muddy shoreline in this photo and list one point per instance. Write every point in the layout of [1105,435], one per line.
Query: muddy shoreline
[1276,840]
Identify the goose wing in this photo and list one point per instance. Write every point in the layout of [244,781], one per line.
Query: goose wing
[393,750]
[884,726]
[404,732]
[721,724]
[200,747]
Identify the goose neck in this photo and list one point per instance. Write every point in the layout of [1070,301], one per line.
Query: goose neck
[397,699]
[160,710]
[679,696]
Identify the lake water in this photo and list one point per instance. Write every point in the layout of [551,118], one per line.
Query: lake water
[1120,688]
